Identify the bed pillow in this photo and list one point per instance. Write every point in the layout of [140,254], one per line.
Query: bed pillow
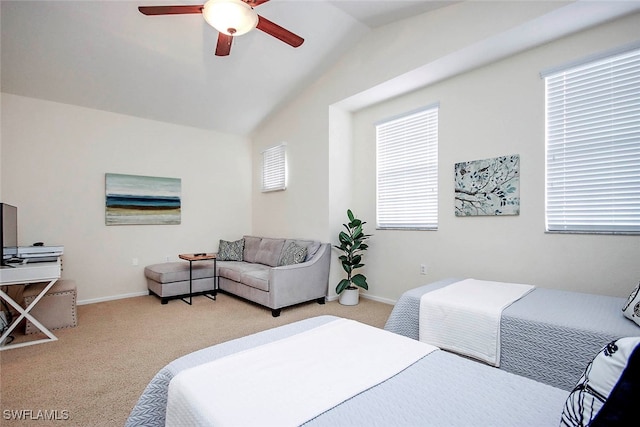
[604,395]
[230,251]
[631,309]
[292,254]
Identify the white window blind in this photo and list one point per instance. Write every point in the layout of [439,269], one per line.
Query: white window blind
[274,168]
[593,146]
[407,171]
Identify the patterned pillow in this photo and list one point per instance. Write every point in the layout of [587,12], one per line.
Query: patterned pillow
[292,254]
[604,393]
[230,251]
[631,309]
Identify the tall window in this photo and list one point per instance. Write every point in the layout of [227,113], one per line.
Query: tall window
[593,146]
[407,171]
[274,168]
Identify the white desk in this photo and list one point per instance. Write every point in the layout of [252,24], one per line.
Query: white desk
[21,275]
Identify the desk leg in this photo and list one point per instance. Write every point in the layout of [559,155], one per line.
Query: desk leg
[24,313]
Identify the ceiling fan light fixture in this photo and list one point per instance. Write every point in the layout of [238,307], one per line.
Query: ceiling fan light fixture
[231,17]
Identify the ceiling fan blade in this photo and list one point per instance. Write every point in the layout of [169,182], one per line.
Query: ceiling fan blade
[224,44]
[254,3]
[278,32]
[170,10]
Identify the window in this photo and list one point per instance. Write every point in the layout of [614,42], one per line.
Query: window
[593,146]
[407,171]
[274,168]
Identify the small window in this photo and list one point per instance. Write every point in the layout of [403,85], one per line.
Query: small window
[407,171]
[593,146]
[274,168]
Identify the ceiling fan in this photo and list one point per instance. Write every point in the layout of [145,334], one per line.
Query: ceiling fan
[231,18]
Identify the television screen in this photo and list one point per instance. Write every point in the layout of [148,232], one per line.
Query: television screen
[9,231]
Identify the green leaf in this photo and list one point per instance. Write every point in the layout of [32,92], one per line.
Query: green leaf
[350,215]
[361,281]
[344,284]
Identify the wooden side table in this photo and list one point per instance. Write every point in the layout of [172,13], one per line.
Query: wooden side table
[200,257]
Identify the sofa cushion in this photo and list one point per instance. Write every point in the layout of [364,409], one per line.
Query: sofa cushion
[258,279]
[269,251]
[251,246]
[231,251]
[312,249]
[233,270]
[311,245]
[169,272]
[292,254]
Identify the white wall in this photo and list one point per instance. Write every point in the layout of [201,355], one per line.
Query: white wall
[475,123]
[492,111]
[54,160]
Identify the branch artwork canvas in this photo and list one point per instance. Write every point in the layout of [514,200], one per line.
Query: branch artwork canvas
[488,187]
[142,200]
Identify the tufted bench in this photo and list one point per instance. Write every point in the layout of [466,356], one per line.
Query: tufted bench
[170,280]
[56,309]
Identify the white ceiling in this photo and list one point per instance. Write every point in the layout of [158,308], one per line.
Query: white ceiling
[106,55]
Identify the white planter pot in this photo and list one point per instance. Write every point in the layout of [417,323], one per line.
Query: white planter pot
[350,296]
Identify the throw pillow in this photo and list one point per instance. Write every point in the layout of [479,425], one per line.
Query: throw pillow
[230,251]
[631,309]
[292,254]
[601,393]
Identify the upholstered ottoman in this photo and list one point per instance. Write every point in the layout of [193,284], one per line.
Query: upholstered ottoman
[170,280]
[56,309]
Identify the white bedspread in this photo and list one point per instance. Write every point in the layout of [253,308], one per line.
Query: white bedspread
[464,317]
[290,381]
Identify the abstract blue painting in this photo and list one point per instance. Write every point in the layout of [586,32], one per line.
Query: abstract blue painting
[136,200]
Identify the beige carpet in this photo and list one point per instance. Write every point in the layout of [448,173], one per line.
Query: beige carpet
[94,374]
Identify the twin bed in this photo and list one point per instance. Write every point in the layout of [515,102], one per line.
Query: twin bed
[328,371]
[547,335]
[438,389]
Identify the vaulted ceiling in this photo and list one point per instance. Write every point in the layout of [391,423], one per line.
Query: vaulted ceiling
[106,55]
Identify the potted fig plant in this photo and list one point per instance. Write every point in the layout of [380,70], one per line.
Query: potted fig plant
[352,244]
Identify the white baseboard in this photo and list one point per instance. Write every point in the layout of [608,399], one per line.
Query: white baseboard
[379,299]
[139,294]
[112,298]
[367,296]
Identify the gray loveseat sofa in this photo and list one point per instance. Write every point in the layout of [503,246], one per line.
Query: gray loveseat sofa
[274,272]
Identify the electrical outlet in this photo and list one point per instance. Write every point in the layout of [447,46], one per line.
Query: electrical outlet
[423,268]
[166,258]
[134,261]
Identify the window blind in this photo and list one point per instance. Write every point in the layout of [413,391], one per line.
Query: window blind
[593,146]
[274,168]
[407,171]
